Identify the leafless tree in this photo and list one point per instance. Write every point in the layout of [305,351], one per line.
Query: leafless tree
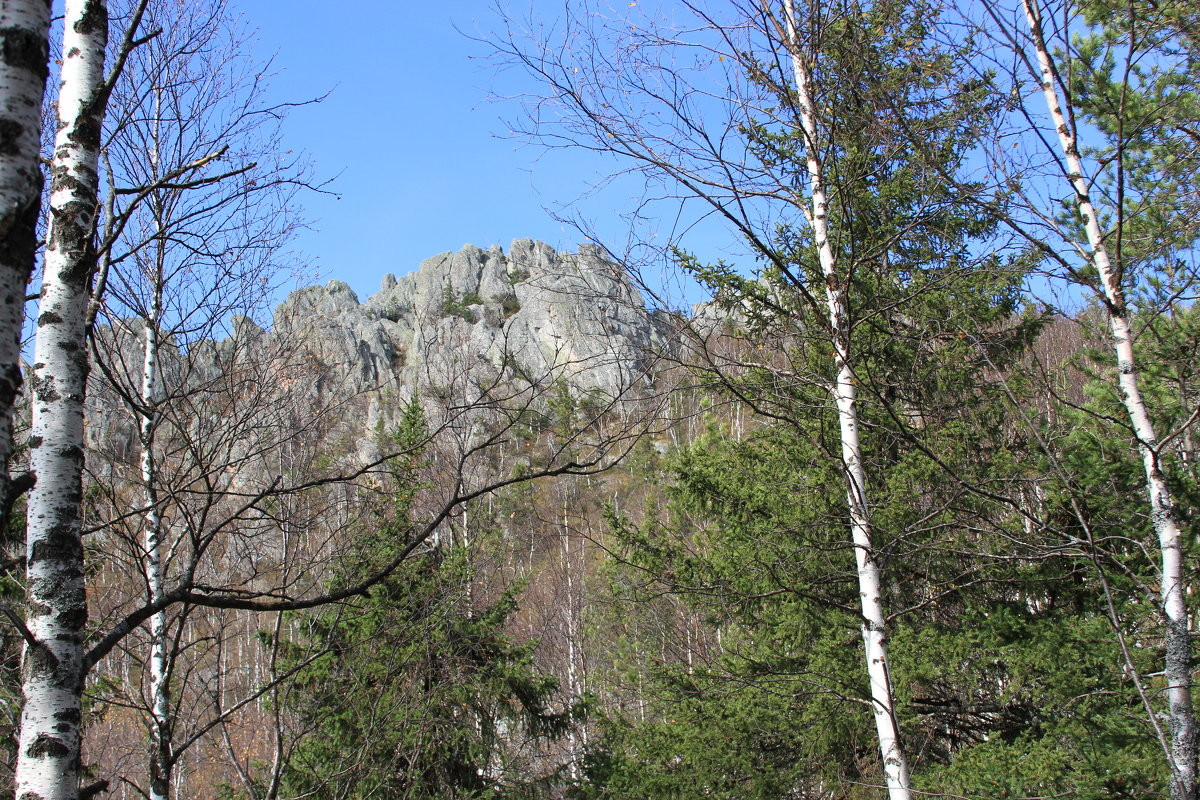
[53,668]
[198,206]
[204,473]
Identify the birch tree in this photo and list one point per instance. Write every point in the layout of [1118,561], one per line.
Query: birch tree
[1178,664]
[202,502]
[819,135]
[24,28]
[191,240]
[48,760]
[75,272]
[844,390]
[262,504]
[1107,125]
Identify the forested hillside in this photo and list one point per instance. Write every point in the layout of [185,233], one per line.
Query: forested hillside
[903,508]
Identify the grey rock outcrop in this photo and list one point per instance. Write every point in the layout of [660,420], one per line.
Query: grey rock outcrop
[462,321]
[574,315]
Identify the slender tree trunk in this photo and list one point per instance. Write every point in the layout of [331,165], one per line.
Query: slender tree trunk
[571,633]
[24,48]
[48,758]
[1178,666]
[160,691]
[874,628]
[161,756]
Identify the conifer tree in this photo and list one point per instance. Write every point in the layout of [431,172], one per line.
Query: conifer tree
[1120,128]
[838,159]
[419,691]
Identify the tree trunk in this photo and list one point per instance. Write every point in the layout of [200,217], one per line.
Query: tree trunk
[24,48]
[160,697]
[161,756]
[874,627]
[48,756]
[1178,666]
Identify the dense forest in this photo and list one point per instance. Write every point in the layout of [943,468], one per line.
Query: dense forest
[902,509]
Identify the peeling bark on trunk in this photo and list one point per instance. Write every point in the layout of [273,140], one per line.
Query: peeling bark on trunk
[24,48]
[874,628]
[48,755]
[1178,666]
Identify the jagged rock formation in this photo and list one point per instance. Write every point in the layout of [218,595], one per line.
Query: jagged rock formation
[463,319]
[574,317]
[474,315]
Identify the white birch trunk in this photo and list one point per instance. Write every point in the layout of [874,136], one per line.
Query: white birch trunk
[160,697]
[48,755]
[874,628]
[1178,664]
[24,48]
[571,634]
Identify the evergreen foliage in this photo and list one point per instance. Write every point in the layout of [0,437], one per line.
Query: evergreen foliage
[420,693]
[1010,679]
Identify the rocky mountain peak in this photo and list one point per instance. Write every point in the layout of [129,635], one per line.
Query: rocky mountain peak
[573,314]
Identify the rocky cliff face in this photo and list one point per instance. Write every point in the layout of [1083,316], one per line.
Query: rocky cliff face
[471,316]
[572,317]
[574,313]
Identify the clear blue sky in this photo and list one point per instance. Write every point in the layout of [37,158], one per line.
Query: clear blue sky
[420,149]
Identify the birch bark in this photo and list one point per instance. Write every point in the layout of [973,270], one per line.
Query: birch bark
[48,755]
[160,697]
[1178,666]
[24,49]
[874,626]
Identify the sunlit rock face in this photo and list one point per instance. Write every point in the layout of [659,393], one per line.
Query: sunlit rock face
[462,330]
[573,314]
[465,321]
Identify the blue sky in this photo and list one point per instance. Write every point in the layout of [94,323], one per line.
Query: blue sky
[419,148]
